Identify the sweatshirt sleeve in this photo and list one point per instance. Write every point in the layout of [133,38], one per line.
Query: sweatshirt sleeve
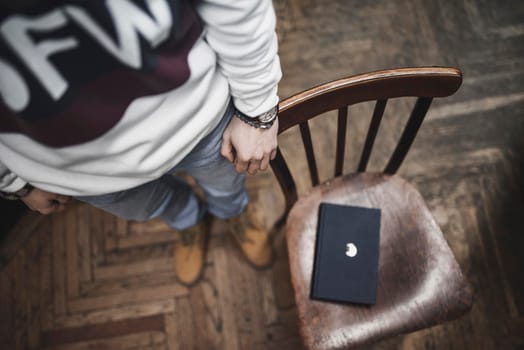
[242,33]
[9,182]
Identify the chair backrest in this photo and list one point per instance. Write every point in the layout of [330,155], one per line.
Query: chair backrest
[425,83]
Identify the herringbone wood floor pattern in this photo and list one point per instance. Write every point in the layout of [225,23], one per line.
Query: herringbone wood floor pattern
[87,280]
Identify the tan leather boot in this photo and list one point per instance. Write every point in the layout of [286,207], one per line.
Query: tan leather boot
[252,240]
[190,251]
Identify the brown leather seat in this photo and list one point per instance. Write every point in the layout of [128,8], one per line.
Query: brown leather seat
[420,283]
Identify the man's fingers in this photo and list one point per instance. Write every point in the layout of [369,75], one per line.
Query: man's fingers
[254,167]
[273,154]
[59,208]
[49,207]
[62,199]
[47,210]
[45,202]
[241,167]
[240,164]
[264,163]
[227,150]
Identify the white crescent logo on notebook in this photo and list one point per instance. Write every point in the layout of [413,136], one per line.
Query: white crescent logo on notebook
[351,250]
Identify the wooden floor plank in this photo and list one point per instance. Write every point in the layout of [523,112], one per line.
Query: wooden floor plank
[130,296]
[59,265]
[140,340]
[123,285]
[116,313]
[6,308]
[107,330]
[170,329]
[45,290]
[226,300]
[185,328]
[141,240]
[133,269]
[84,243]
[72,273]
[33,287]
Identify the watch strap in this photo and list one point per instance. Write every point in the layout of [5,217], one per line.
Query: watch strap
[24,191]
[262,121]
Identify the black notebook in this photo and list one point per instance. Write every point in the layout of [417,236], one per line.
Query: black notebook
[346,254]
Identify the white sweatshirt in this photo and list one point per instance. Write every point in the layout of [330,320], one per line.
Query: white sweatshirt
[101,96]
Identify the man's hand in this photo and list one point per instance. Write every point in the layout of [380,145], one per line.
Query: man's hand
[45,202]
[248,148]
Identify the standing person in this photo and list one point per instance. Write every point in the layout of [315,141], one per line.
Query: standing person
[105,101]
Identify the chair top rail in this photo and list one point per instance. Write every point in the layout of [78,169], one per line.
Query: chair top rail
[384,84]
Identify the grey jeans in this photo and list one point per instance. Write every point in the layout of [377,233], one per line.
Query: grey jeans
[173,200]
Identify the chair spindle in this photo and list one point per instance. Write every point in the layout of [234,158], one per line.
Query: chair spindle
[308,146]
[285,179]
[341,139]
[380,106]
[408,135]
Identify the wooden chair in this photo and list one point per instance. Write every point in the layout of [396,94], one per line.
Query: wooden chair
[419,281]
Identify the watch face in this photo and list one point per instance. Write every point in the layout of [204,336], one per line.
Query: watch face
[268,116]
[264,120]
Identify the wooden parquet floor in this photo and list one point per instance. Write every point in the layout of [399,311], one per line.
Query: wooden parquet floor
[87,280]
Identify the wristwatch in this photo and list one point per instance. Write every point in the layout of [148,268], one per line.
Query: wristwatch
[24,191]
[262,121]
